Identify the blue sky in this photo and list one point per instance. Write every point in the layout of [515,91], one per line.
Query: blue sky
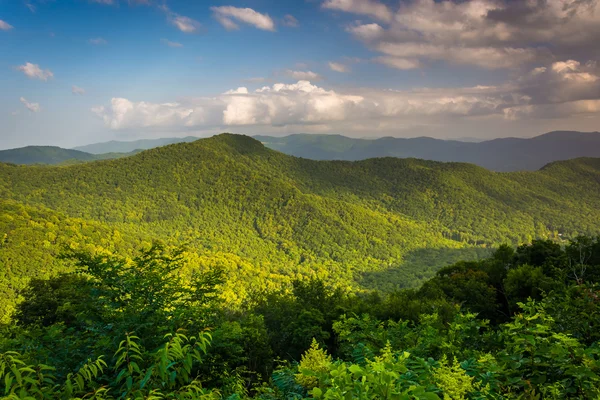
[76,72]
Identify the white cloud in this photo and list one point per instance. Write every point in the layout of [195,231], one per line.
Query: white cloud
[291,21]
[31,7]
[489,34]
[561,89]
[398,63]
[97,41]
[303,75]
[371,8]
[185,24]
[227,14]
[338,67]
[33,107]
[77,90]
[171,44]
[105,2]
[5,26]
[33,71]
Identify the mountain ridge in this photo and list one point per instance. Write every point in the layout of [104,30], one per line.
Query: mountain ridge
[267,217]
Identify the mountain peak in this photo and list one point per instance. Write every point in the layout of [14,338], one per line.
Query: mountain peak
[241,143]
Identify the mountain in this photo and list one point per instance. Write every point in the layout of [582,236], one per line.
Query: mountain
[267,218]
[503,155]
[42,155]
[52,155]
[506,154]
[127,147]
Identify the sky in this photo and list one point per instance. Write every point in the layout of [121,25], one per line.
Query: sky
[85,71]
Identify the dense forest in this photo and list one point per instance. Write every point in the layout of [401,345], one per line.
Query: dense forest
[268,219]
[223,269]
[521,324]
[53,155]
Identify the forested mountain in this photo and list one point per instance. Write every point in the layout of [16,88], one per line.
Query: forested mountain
[268,218]
[116,146]
[505,154]
[279,278]
[42,155]
[52,155]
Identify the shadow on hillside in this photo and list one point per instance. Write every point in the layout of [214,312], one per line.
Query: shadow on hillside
[418,266]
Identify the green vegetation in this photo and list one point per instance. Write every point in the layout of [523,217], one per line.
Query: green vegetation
[53,155]
[267,219]
[521,324]
[285,278]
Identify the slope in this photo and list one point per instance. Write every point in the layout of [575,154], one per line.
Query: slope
[268,218]
[52,155]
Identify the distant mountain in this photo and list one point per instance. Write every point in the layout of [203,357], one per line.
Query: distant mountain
[115,146]
[43,155]
[506,154]
[52,155]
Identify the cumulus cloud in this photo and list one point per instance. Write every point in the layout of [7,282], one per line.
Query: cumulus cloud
[559,89]
[371,8]
[227,14]
[485,33]
[338,67]
[97,41]
[291,21]
[303,75]
[33,71]
[77,90]
[5,26]
[33,107]
[170,43]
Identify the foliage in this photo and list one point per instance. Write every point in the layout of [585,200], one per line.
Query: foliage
[268,219]
[315,361]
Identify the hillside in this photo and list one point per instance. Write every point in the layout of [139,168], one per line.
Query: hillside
[42,155]
[52,155]
[268,218]
[116,146]
[505,154]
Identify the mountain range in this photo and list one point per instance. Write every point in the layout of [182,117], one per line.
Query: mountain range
[53,155]
[267,218]
[505,154]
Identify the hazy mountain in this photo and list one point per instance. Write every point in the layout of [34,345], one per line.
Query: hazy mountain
[42,155]
[506,154]
[126,147]
[52,155]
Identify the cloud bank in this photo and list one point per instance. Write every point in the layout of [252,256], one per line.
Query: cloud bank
[491,34]
[560,89]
